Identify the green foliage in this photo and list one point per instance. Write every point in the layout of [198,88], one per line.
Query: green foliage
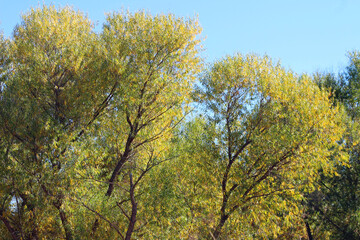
[271,132]
[93,144]
[83,112]
[333,207]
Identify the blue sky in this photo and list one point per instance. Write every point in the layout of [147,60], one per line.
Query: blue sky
[305,35]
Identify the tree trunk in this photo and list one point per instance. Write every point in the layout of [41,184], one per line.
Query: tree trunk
[120,163]
[66,225]
[12,231]
[218,228]
[132,219]
[114,175]
[94,227]
[64,220]
[308,230]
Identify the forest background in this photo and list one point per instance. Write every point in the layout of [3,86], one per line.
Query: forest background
[125,132]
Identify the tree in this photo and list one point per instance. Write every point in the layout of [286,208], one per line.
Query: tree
[93,144]
[333,207]
[267,132]
[65,89]
[51,92]
[161,53]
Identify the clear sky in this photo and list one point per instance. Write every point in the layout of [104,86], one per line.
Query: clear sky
[305,35]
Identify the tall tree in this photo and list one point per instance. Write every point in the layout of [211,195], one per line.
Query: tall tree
[65,89]
[333,207]
[267,133]
[51,91]
[161,57]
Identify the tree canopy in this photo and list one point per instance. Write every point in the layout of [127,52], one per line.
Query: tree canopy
[270,132]
[123,134]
